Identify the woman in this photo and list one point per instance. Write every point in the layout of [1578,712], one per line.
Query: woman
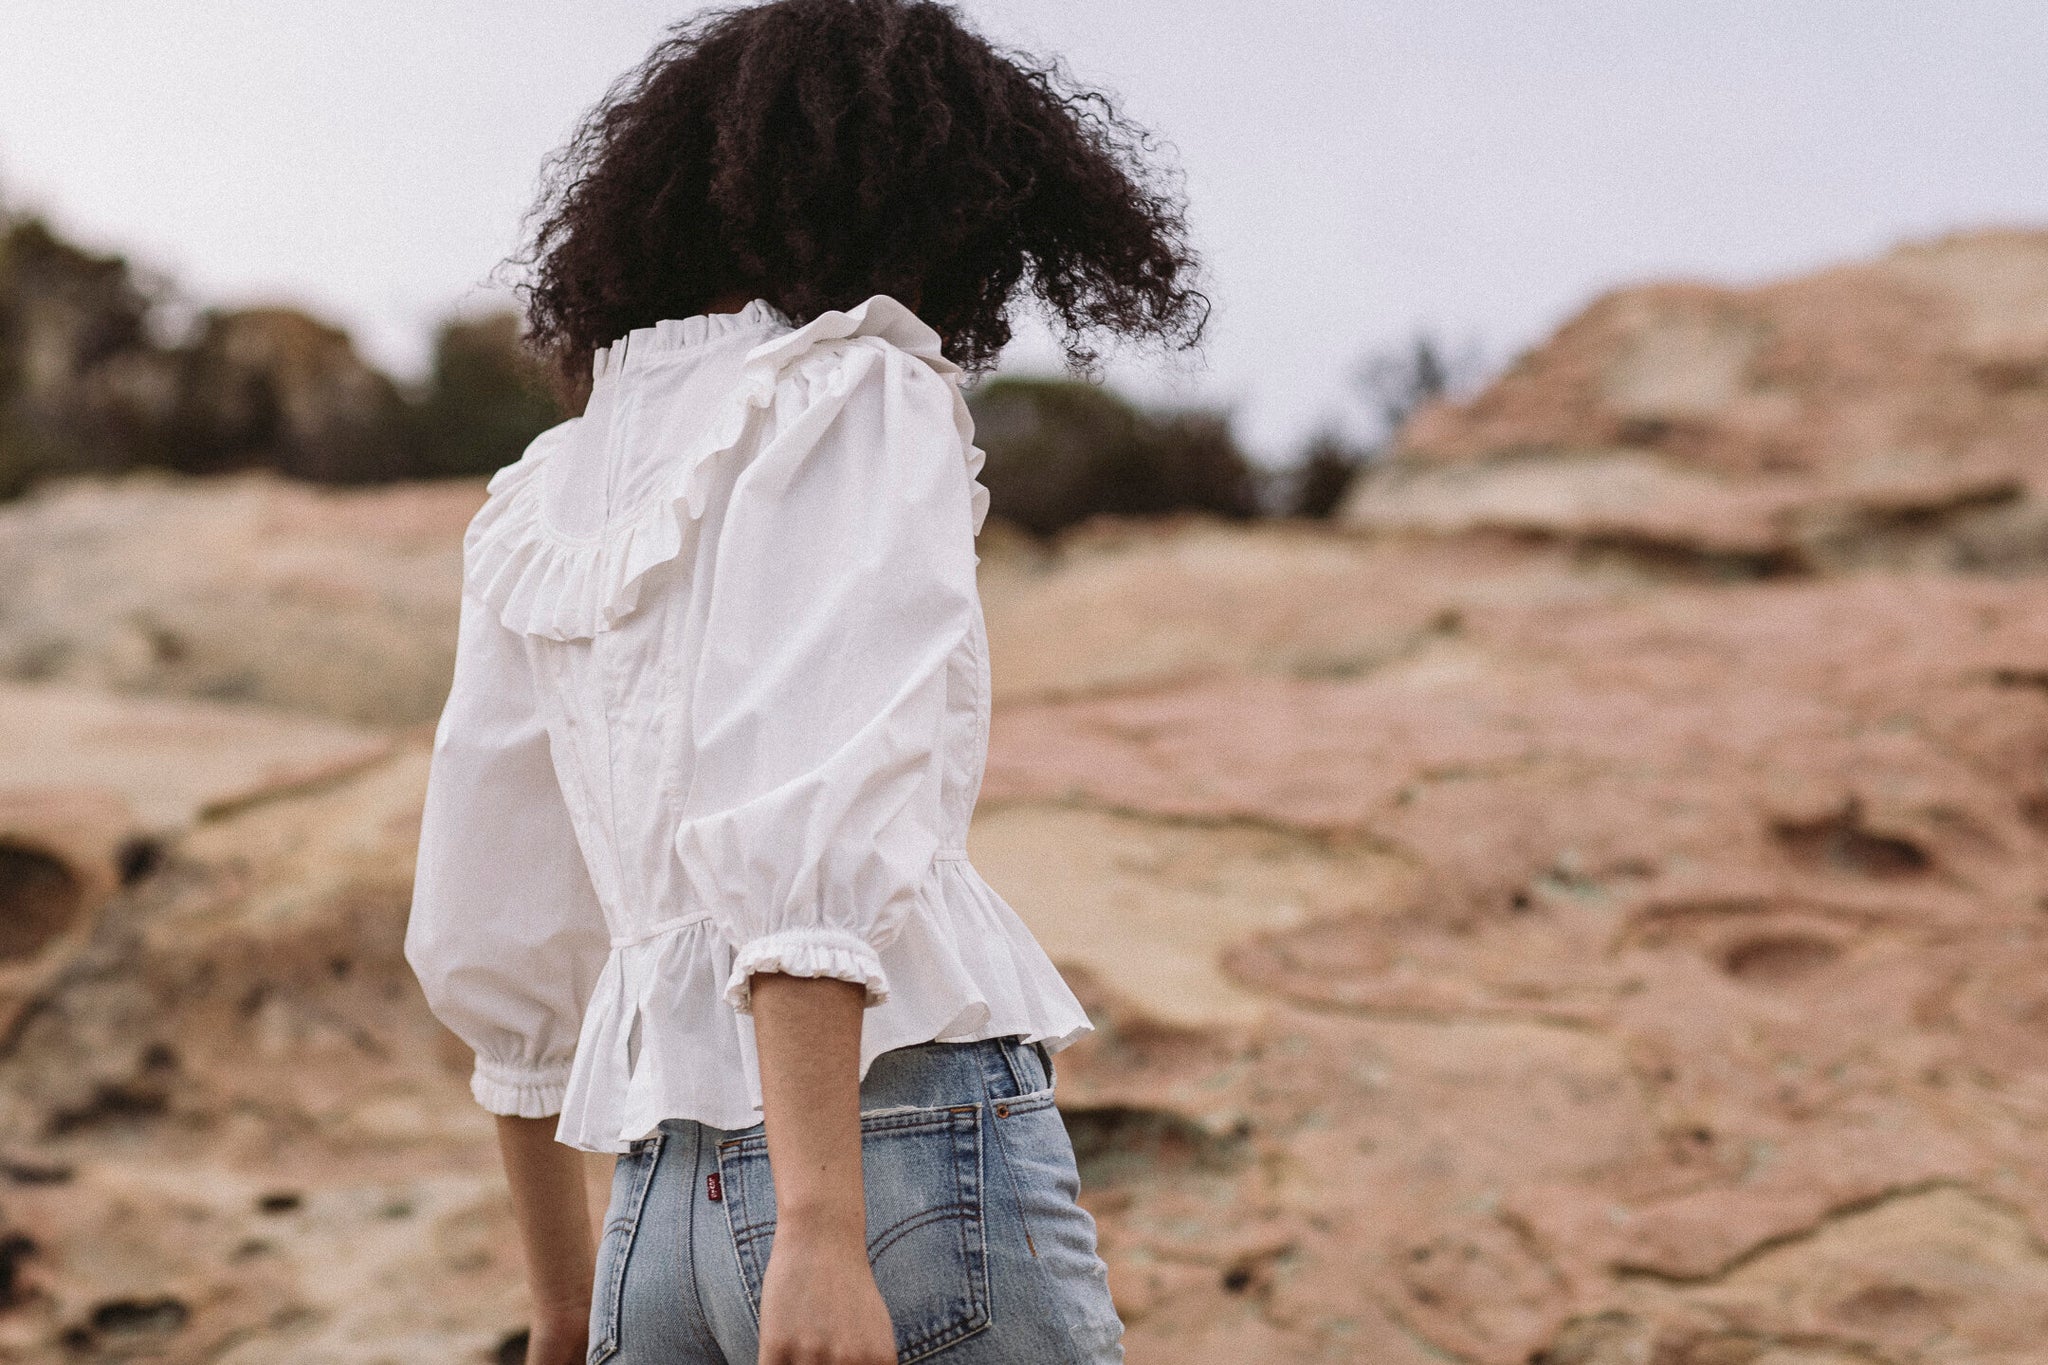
[691,879]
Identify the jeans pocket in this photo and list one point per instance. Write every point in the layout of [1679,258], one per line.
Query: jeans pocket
[631,1178]
[923,1178]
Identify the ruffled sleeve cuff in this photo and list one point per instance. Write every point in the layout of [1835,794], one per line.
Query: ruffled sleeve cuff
[807,952]
[519,1092]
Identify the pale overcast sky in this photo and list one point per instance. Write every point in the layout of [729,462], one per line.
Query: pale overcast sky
[1358,167]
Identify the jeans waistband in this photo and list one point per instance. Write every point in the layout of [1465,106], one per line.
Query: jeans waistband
[928,1075]
[935,1075]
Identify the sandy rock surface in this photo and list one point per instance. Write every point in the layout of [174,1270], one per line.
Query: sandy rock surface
[1890,412]
[1506,948]
[335,602]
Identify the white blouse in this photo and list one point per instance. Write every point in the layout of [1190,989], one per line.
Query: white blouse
[720,707]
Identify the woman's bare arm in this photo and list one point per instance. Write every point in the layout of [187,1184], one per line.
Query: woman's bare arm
[553,1213]
[819,1302]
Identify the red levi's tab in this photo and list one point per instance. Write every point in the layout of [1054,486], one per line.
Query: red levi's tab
[714,1187]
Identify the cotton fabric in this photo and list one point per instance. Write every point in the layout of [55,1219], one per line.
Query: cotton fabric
[720,707]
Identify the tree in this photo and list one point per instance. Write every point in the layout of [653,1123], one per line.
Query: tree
[1394,385]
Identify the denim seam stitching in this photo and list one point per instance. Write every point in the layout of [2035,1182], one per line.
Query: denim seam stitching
[1045,1064]
[690,1230]
[1047,1286]
[1008,1048]
[734,1194]
[629,1228]
[980,1315]
[903,1227]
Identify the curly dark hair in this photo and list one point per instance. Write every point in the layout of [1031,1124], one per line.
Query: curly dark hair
[816,152]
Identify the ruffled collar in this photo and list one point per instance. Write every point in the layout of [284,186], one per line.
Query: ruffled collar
[674,334]
[543,584]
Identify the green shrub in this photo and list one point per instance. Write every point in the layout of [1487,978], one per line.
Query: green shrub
[1316,485]
[86,387]
[1061,451]
[74,357]
[486,399]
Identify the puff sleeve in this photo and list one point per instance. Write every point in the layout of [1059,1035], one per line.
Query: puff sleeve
[505,932]
[841,583]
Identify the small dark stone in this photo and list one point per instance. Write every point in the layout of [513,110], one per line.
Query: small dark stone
[139,857]
[37,1172]
[14,1249]
[135,1317]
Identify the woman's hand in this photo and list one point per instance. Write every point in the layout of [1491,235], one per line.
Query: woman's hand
[552,1211]
[819,1304]
[559,1339]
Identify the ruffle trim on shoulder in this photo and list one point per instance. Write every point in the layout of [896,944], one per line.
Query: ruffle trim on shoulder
[542,583]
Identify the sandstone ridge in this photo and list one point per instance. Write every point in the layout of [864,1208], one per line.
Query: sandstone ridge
[1890,412]
[1587,909]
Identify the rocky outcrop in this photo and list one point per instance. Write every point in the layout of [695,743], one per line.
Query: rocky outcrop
[95,786]
[82,381]
[231,1133]
[1892,413]
[276,389]
[1536,929]
[87,384]
[64,851]
[94,379]
[1606,943]
[254,588]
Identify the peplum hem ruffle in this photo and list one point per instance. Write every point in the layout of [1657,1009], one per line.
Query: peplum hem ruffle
[962,967]
[562,588]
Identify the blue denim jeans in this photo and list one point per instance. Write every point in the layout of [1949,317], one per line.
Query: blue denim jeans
[982,1255]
